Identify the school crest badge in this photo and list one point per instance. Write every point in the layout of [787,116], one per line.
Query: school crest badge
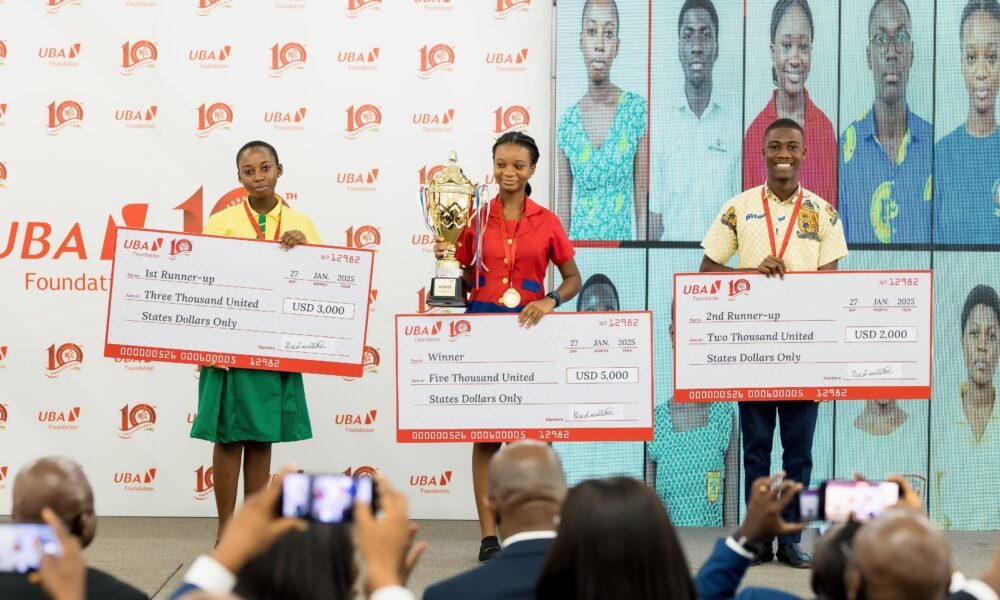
[713,486]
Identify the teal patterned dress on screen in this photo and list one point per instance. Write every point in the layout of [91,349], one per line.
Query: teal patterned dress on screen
[691,465]
[603,181]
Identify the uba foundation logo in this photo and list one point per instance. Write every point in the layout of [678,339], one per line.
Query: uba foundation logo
[61,419]
[286,120]
[512,118]
[138,55]
[207,7]
[439,57]
[363,118]
[180,247]
[139,417]
[136,481]
[68,113]
[212,117]
[359,181]
[366,237]
[147,248]
[357,423]
[61,57]
[457,329]
[356,7]
[359,472]
[285,57]
[738,287]
[203,484]
[54,6]
[505,8]
[508,61]
[211,58]
[432,484]
[359,60]
[137,118]
[702,290]
[63,358]
[435,122]
[423,331]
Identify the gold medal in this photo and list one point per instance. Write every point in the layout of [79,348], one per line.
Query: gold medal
[511,298]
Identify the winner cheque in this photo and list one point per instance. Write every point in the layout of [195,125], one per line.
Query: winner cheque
[482,378]
[238,303]
[824,335]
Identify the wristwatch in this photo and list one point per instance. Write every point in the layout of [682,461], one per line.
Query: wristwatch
[744,542]
[555,296]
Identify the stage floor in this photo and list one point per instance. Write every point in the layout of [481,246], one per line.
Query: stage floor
[154,553]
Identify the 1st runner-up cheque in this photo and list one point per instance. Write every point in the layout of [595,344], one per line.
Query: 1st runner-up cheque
[235,302]
[483,378]
[825,335]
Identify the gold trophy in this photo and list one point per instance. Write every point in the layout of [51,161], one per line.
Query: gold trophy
[449,201]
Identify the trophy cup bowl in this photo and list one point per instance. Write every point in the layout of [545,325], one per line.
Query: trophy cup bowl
[449,202]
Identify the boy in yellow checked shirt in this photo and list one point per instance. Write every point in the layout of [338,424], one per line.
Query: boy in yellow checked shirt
[775,228]
[244,411]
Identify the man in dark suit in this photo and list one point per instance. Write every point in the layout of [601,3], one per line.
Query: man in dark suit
[58,483]
[526,490]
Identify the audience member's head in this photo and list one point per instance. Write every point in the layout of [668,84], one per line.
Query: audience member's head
[526,487]
[615,541]
[58,483]
[317,563]
[830,562]
[899,555]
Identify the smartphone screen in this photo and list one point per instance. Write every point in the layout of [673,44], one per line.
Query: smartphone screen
[808,506]
[326,498]
[861,499]
[23,544]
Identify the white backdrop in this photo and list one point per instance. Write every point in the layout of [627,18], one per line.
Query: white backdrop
[131,111]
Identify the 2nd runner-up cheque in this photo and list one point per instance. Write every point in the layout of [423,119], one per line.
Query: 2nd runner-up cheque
[483,378]
[238,303]
[825,335]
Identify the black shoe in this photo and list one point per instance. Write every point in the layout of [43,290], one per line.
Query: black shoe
[766,554]
[793,556]
[489,548]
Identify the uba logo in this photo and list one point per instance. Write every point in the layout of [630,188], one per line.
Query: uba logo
[203,485]
[357,423]
[136,55]
[435,121]
[54,6]
[359,181]
[211,59]
[136,482]
[439,57]
[459,328]
[366,117]
[137,118]
[507,61]
[60,56]
[738,287]
[65,357]
[205,7]
[366,237]
[359,472]
[513,118]
[287,121]
[699,289]
[356,7]
[140,417]
[212,117]
[432,484]
[423,330]
[286,57]
[505,8]
[143,245]
[61,419]
[359,60]
[180,247]
[68,113]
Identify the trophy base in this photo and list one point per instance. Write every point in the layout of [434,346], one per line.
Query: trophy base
[446,292]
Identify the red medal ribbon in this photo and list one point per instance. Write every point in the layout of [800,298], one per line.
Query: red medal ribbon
[256,227]
[509,250]
[770,226]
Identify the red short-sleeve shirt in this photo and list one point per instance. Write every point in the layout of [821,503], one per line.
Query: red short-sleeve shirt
[540,239]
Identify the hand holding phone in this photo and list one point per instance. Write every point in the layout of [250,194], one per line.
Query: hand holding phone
[325,497]
[22,546]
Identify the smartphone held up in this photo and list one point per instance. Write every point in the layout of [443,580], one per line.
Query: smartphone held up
[840,501]
[325,497]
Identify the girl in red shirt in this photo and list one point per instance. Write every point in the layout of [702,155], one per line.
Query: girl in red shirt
[518,240]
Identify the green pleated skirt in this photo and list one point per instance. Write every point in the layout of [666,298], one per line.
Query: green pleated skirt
[245,405]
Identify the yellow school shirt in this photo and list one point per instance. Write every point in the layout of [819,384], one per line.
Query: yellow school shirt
[818,237]
[233,222]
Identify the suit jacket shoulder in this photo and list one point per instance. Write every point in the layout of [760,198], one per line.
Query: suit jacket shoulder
[99,585]
[509,576]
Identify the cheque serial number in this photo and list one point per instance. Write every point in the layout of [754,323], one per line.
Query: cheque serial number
[440,435]
[499,435]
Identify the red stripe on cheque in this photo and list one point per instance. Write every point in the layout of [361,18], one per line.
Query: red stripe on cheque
[238,361]
[512,434]
[779,394]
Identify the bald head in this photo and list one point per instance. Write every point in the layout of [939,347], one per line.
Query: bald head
[901,555]
[58,483]
[527,486]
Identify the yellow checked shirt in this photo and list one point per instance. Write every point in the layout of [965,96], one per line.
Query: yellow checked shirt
[233,222]
[740,226]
